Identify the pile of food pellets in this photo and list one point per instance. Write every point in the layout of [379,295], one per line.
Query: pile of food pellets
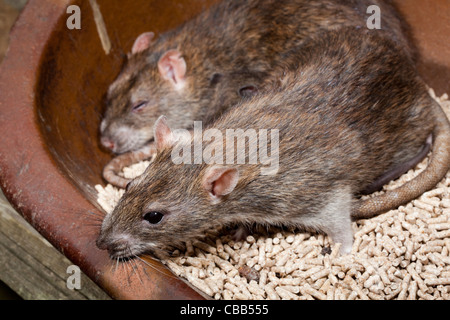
[402,254]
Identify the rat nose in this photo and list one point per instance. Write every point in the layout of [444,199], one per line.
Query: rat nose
[101,243]
[117,245]
[108,143]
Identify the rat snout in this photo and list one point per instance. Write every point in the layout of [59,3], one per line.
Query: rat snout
[120,138]
[102,242]
[108,138]
[118,246]
[107,143]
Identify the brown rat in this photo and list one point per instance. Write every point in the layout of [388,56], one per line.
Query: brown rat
[353,109]
[180,73]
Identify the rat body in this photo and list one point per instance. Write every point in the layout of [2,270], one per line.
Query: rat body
[181,74]
[353,109]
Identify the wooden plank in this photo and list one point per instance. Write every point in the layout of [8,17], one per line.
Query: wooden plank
[32,267]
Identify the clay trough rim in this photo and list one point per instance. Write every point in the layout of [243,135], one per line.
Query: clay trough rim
[32,182]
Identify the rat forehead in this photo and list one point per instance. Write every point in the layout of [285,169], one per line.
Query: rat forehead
[131,91]
[163,176]
[131,74]
[123,83]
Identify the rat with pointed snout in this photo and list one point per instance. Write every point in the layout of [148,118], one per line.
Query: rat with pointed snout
[348,109]
[205,66]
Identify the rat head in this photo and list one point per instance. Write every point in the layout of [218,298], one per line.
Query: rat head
[169,203]
[152,82]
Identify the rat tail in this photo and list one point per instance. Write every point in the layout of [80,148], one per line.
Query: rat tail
[437,168]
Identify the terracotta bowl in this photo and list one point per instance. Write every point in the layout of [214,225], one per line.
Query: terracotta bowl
[52,86]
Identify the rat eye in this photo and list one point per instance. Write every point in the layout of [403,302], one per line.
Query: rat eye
[153,217]
[139,106]
[248,91]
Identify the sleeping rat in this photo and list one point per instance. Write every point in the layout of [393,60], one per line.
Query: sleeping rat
[180,73]
[352,110]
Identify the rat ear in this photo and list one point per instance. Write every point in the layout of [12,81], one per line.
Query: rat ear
[220,181]
[172,67]
[162,133]
[142,42]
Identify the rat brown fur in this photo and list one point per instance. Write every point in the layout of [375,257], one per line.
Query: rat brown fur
[352,110]
[180,74]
